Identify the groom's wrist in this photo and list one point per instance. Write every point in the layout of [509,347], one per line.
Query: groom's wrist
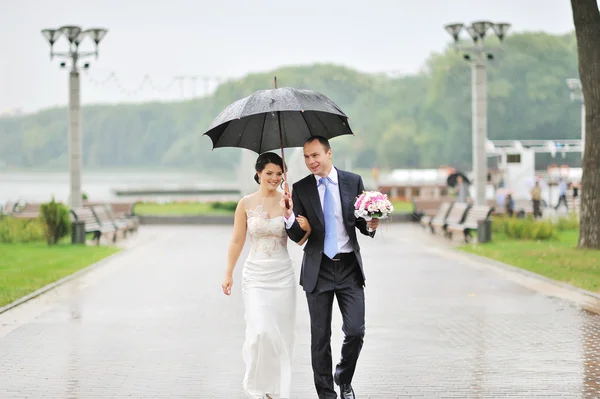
[289,221]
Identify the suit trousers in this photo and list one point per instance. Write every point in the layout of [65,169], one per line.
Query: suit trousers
[343,279]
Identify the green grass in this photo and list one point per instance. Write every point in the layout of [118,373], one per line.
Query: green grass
[183,208]
[402,206]
[25,268]
[557,259]
[206,208]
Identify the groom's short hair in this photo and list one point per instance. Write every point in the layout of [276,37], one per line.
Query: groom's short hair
[324,142]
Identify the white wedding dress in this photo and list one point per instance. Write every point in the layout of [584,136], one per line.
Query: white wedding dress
[269,292]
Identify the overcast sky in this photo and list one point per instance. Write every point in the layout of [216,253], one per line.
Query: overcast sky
[230,38]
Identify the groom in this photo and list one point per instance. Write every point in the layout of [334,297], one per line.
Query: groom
[332,264]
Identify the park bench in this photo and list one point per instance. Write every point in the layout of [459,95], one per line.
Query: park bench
[132,223]
[122,211]
[474,215]
[456,215]
[94,225]
[28,211]
[427,206]
[441,215]
[105,217]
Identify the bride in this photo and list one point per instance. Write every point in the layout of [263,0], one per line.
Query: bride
[268,283]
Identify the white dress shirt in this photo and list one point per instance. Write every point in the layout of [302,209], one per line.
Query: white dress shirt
[342,236]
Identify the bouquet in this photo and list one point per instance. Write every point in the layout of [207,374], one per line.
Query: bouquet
[372,205]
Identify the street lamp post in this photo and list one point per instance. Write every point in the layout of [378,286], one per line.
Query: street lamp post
[478,54]
[75,35]
[577,95]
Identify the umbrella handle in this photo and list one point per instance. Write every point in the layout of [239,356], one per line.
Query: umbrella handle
[286,186]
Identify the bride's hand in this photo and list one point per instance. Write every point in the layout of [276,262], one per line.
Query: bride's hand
[304,225]
[227,283]
[287,212]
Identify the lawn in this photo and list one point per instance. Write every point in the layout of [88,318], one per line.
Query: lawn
[557,259]
[402,206]
[25,268]
[207,208]
[180,208]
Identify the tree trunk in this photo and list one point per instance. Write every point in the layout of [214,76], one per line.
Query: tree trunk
[586,17]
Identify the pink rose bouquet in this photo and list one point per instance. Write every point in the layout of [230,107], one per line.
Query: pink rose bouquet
[372,204]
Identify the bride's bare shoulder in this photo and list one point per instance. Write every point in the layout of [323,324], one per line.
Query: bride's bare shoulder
[251,201]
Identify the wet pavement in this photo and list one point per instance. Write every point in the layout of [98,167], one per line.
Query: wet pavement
[153,323]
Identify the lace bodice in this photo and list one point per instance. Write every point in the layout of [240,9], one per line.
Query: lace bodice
[267,234]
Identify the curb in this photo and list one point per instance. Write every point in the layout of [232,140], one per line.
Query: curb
[587,300]
[62,281]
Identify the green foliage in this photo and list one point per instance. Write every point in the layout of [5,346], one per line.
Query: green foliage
[570,222]
[524,228]
[224,206]
[14,230]
[423,120]
[57,221]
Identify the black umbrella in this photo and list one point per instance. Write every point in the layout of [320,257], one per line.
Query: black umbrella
[451,180]
[277,118]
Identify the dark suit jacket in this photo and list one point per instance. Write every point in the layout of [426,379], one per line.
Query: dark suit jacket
[307,203]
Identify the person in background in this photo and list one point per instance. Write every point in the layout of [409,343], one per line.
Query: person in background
[509,205]
[575,187]
[462,190]
[562,194]
[536,198]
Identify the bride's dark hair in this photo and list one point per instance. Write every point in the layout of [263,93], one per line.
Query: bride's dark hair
[263,160]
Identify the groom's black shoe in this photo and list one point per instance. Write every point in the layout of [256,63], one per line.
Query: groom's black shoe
[346,391]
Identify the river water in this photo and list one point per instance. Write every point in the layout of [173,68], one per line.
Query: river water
[101,186]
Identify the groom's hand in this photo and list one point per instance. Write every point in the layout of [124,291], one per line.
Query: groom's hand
[373,224]
[287,210]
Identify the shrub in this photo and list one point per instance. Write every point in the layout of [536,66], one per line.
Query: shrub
[524,228]
[13,230]
[226,206]
[56,219]
[570,222]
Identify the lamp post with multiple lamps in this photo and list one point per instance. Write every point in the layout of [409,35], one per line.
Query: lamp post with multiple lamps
[75,35]
[577,95]
[478,55]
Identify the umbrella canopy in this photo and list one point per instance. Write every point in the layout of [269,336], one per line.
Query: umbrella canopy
[451,180]
[277,118]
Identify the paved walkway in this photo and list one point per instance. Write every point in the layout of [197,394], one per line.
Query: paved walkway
[153,323]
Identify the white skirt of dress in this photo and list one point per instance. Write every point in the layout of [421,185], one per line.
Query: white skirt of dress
[269,292]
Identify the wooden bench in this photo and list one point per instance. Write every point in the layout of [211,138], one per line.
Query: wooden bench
[474,215]
[30,210]
[132,223]
[104,217]
[456,215]
[427,206]
[441,215]
[122,211]
[93,224]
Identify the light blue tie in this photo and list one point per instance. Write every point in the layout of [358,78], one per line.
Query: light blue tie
[331,241]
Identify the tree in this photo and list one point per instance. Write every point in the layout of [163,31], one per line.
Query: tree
[527,99]
[586,17]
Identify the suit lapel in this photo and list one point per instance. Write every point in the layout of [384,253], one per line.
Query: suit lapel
[315,200]
[345,196]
